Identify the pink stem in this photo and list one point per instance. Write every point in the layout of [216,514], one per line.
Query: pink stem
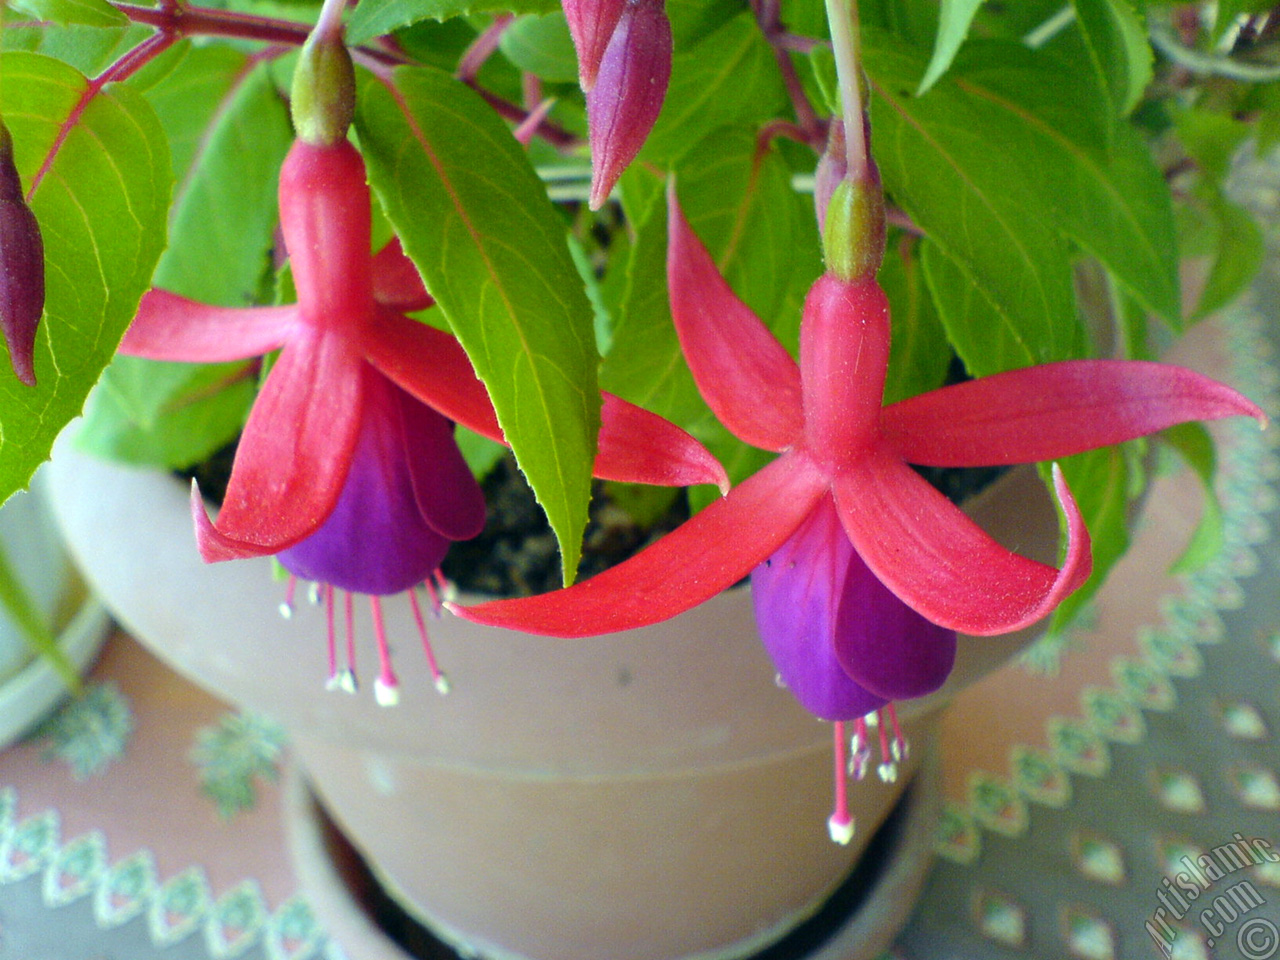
[482,48]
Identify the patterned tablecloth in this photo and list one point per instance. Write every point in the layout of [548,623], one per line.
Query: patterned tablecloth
[1116,795]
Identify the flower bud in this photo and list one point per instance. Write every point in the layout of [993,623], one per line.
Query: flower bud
[833,167]
[323,97]
[628,92]
[854,233]
[592,24]
[21,267]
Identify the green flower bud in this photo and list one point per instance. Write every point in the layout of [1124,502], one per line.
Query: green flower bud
[853,235]
[323,98]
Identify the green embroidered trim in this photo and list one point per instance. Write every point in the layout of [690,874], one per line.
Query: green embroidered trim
[174,909]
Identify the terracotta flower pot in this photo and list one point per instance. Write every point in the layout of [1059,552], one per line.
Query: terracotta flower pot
[646,795]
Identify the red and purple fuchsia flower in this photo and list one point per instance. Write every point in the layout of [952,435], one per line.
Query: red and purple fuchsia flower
[347,469]
[861,572]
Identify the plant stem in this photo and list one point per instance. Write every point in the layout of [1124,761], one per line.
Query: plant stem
[328,28]
[482,48]
[846,44]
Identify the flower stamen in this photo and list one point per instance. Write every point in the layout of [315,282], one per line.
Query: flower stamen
[437,675]
[840,824]
[386,688]
[888,769]
[860,747]
[286,605]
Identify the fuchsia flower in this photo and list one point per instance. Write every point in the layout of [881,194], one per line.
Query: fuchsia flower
[21,267]
[863,572]
[624,64]
[347,468]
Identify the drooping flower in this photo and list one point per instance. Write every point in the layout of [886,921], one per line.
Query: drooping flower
[347,468]
[840,507]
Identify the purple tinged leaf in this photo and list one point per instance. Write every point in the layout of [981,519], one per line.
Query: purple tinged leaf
[628,93]
[21,267]
[591,24]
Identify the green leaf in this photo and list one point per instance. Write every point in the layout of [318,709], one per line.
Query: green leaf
[476,221]
[728,76]
[954,18]
[93,13]
[168,415]
[26,615]
[919,353]
[101,207]
[1195,446]
[1115,35]
[230,131]
[1100,482]
[372,18]
[972,199]
[542,46]
[1113,202]
[762,235]
[1239,255]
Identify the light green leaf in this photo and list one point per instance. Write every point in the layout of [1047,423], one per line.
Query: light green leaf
[1115,35]
[940,163]
[230,130]
[728,76]
[168,415]
[542,46]
[372,18]
[1240,252]
[1113,202]
[763,238]
[919,353]
[29,619]
[1100,482]
[1195,446]
[101,206]
[493,252]
[93,13]
[954,18]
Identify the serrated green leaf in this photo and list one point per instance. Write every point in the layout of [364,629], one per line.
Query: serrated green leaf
[372,18]
[230,131]
[101,206]
[954,18]
[541,45]
[93,13]
[493,252]
[729,76]
[1115,35]
[940,162]
[1113,202]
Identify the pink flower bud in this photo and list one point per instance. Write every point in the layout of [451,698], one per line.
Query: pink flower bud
[21,267]
[592,24]
[628,92]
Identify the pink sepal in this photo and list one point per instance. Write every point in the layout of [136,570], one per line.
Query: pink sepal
[628,93]
[430,365]
[170,327]
[687,566]
[1052,411]
[637,446]
[746,376]
[294,454]
[396,283]
[591,24]
[940,563]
